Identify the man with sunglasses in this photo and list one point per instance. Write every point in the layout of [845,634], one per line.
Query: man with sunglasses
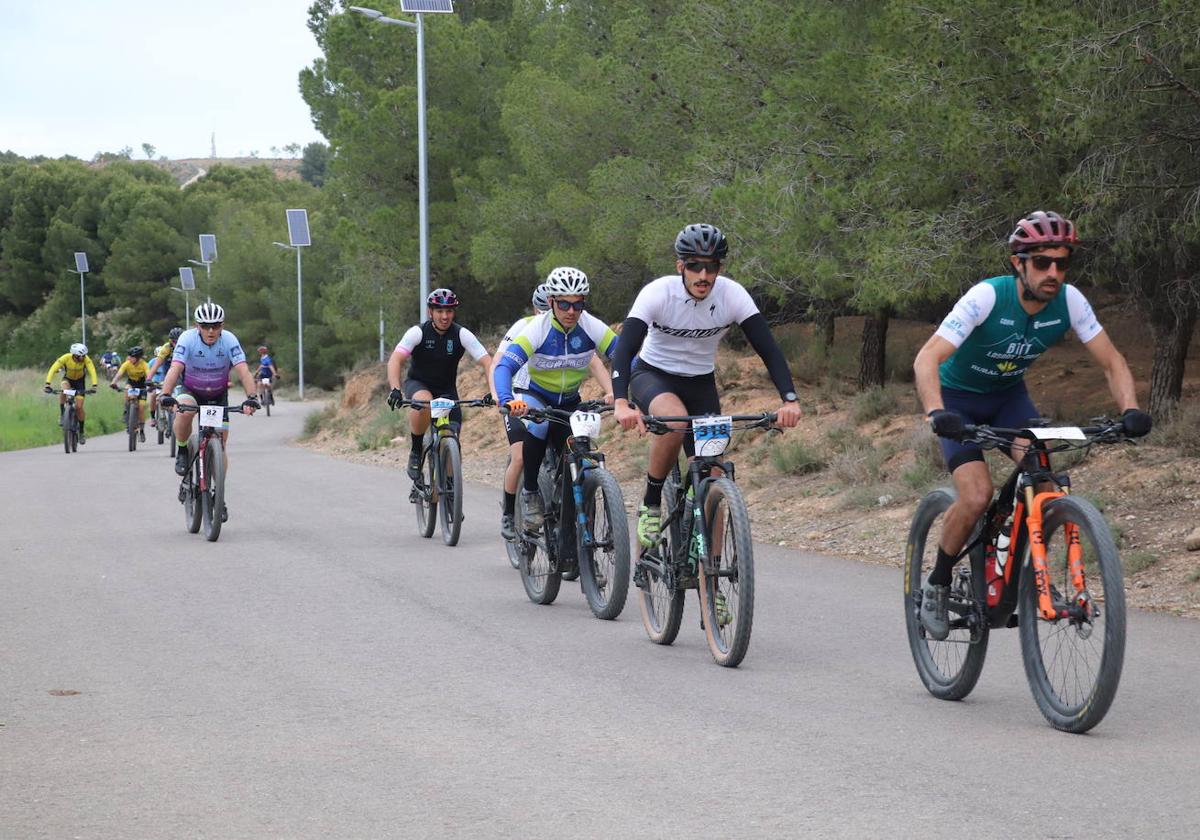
[204,357]
[972,370]
[558,347]
[435,347]
[675,326]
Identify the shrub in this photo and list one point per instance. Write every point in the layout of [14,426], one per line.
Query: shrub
[384,426]
[859,465]
[874,403]
[1138,561]
[318,420]
[793,457]
[1181,429]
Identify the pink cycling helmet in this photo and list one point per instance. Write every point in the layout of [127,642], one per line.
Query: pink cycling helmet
[1042,229]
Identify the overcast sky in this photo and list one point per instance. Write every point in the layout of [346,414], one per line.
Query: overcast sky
[85,76]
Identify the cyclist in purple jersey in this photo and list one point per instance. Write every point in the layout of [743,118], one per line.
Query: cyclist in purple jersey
[203,360]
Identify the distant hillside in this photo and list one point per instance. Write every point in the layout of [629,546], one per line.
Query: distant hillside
[285,168]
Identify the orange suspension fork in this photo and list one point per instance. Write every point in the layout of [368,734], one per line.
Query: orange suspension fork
[1037,553]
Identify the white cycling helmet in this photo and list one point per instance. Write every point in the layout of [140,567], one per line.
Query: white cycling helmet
[540,302]
[566,281]
[78,349]
[209,313]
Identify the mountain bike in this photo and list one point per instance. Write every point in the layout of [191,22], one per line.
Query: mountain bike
[202,490]
[1040,560]
[69,420]
[585,531]
[132,426]
[266,394]
[546,484]
[438,492]
[163,419]
[704,542]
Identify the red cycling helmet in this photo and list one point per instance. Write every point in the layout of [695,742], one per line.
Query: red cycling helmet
[1042,229]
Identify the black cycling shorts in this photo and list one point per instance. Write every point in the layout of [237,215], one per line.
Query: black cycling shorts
[411,386]
[514,430]
[697,393]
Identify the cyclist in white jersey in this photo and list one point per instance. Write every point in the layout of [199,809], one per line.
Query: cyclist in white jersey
[674,328]
[514,429]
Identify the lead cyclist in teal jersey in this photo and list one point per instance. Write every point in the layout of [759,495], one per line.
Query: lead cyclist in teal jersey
[972,370]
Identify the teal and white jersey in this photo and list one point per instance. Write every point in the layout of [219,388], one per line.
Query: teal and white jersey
[557,360]
[998,340]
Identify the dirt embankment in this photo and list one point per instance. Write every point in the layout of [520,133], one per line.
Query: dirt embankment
[845,482]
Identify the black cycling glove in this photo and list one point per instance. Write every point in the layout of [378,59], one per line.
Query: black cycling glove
[946,423]
[166,401]
[1136,422]
[395,398]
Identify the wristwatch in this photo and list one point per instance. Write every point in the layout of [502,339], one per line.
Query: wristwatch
[790,396]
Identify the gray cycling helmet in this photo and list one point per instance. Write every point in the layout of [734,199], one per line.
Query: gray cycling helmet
[701,241]
[540,302]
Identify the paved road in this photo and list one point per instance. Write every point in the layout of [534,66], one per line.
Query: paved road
[323,672]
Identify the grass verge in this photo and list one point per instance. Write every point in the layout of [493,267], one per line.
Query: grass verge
[29,417]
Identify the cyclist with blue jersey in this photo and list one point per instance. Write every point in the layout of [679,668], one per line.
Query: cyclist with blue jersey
[972,370]
[203,360]
[514,429]
[159,367]
[558,346]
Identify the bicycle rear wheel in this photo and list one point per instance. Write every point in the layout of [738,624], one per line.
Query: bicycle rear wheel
[192,506]
[949,668]
[727,586]
[1074,664]
[270,400]
[660,602]
[539,574]
[424,492]
[213,496]
[451,493]
[604,566]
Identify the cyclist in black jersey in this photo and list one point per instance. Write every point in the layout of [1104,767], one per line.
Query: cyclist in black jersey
[435,347]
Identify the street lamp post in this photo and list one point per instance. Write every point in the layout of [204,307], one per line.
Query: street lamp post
[81,268]
[419,8]
[298,236]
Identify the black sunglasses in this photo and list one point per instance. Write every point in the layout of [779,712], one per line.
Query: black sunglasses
[566,305]
[1042,262]
[706,266]
[215,326]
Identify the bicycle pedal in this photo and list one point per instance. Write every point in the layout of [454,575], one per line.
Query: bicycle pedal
[182,494]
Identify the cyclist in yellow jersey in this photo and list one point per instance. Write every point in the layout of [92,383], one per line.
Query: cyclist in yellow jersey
[135,369]
[159,367]
[74,365]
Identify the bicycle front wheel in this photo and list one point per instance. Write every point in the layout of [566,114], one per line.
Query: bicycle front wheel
[68,429]
[1074,664]
[660,601]
[160,423]
[727,580]
[131,424]
[539,574]
[451,491]
[604,565]
[949,668]
[212,499]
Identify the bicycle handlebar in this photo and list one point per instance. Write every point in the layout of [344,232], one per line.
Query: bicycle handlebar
[657,425]
[1103,430]
[561,415]
[195,409]
[480,402]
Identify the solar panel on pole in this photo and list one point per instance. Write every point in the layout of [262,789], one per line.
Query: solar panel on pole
[208,247]
[187,280]
[297,222]
[81,265]
[426,6]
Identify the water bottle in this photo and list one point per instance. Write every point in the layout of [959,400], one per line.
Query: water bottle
[997,560]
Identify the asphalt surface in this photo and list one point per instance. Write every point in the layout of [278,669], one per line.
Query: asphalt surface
[322,671]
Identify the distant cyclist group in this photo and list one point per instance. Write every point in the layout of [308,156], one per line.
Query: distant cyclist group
[692,526]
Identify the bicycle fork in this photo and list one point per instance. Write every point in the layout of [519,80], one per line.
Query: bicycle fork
[1081,608]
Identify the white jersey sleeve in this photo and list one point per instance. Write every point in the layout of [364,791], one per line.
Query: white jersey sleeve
[1083,318]
[472,344]
[410,340]
[971,310]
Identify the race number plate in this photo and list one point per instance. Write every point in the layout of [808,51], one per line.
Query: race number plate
[585,424]
[70,392]
[212,416]
[1059,433]
[266,381]
[133,392]
[440,406]
[711,434]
